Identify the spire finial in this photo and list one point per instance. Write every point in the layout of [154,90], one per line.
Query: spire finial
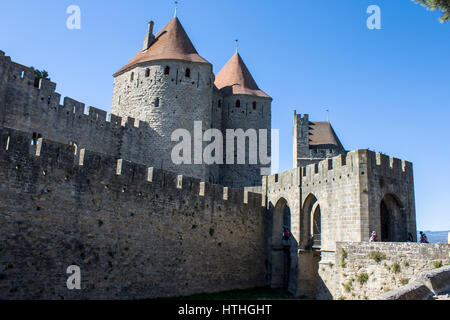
[176,9]
[237,45]
[328,115]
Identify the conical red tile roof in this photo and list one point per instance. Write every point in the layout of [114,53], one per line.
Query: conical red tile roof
[234,78]
[172,42]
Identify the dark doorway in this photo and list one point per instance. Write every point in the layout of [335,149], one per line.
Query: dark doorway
[393,222]
[280,266]
[384,221]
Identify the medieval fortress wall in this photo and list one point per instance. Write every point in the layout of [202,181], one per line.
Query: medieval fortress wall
[349,190]
[81,189]
[254,113]
[136,232]
[37,110]
[341,196]
[141,135]
[367,270]
[168,102]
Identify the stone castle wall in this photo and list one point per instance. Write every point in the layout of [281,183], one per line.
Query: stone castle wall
[253,113]
[139,128]
[37,110]
[346,194]
[136,232]
[303,153]
[168,102]
[367,270]
[349,194]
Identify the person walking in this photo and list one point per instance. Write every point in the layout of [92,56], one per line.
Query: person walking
[410,237]
[423,237]
[286,236]
[374,237]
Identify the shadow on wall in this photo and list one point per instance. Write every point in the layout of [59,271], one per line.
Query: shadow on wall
[323,293]
[281,266]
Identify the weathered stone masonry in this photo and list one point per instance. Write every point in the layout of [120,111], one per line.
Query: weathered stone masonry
[82,189]
[136,232]
[366,270]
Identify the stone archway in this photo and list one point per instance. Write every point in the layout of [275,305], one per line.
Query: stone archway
[393,224]
[310,244]
[280,252]
[311,222]
[316,226]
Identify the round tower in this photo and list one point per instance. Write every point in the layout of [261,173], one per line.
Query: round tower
[245,107]
[167,85]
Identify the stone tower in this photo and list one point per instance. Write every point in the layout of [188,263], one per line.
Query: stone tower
[244,106]
[314,141]
[168,86]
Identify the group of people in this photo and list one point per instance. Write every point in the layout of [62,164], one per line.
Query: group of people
[423,237]
[373,237]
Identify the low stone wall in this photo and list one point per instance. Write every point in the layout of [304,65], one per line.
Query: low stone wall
[425,287]
[367,270]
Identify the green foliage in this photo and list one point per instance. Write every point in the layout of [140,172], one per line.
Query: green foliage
[377,256]
[443,5]
[396,267]
[406,264]
[347,286]
[41,74]
[437,264]
[404,282]
[362,278]
[38,75]
[341,298]
[343,256]
[330,265]
[211,232]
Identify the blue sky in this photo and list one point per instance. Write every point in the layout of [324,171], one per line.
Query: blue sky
[387,90]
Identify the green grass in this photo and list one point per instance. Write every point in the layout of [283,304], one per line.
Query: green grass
[404,282]
[396,268]
[377,256]
[264,293]
[362,278]
[347,286]
[343,256]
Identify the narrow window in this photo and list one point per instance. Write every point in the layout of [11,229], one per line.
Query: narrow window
[7,142]
[167,70]
[254,105]
[238,103]
[188,73]
[147,72]
[22,75]
[156,102]
[132,76]
[219,104]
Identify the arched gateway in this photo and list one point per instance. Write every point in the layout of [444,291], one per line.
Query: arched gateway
[280,251]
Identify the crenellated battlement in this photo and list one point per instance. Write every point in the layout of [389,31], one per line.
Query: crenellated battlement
[301,118]
[44,100]
[359,160]
[355,163]
[48,157]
